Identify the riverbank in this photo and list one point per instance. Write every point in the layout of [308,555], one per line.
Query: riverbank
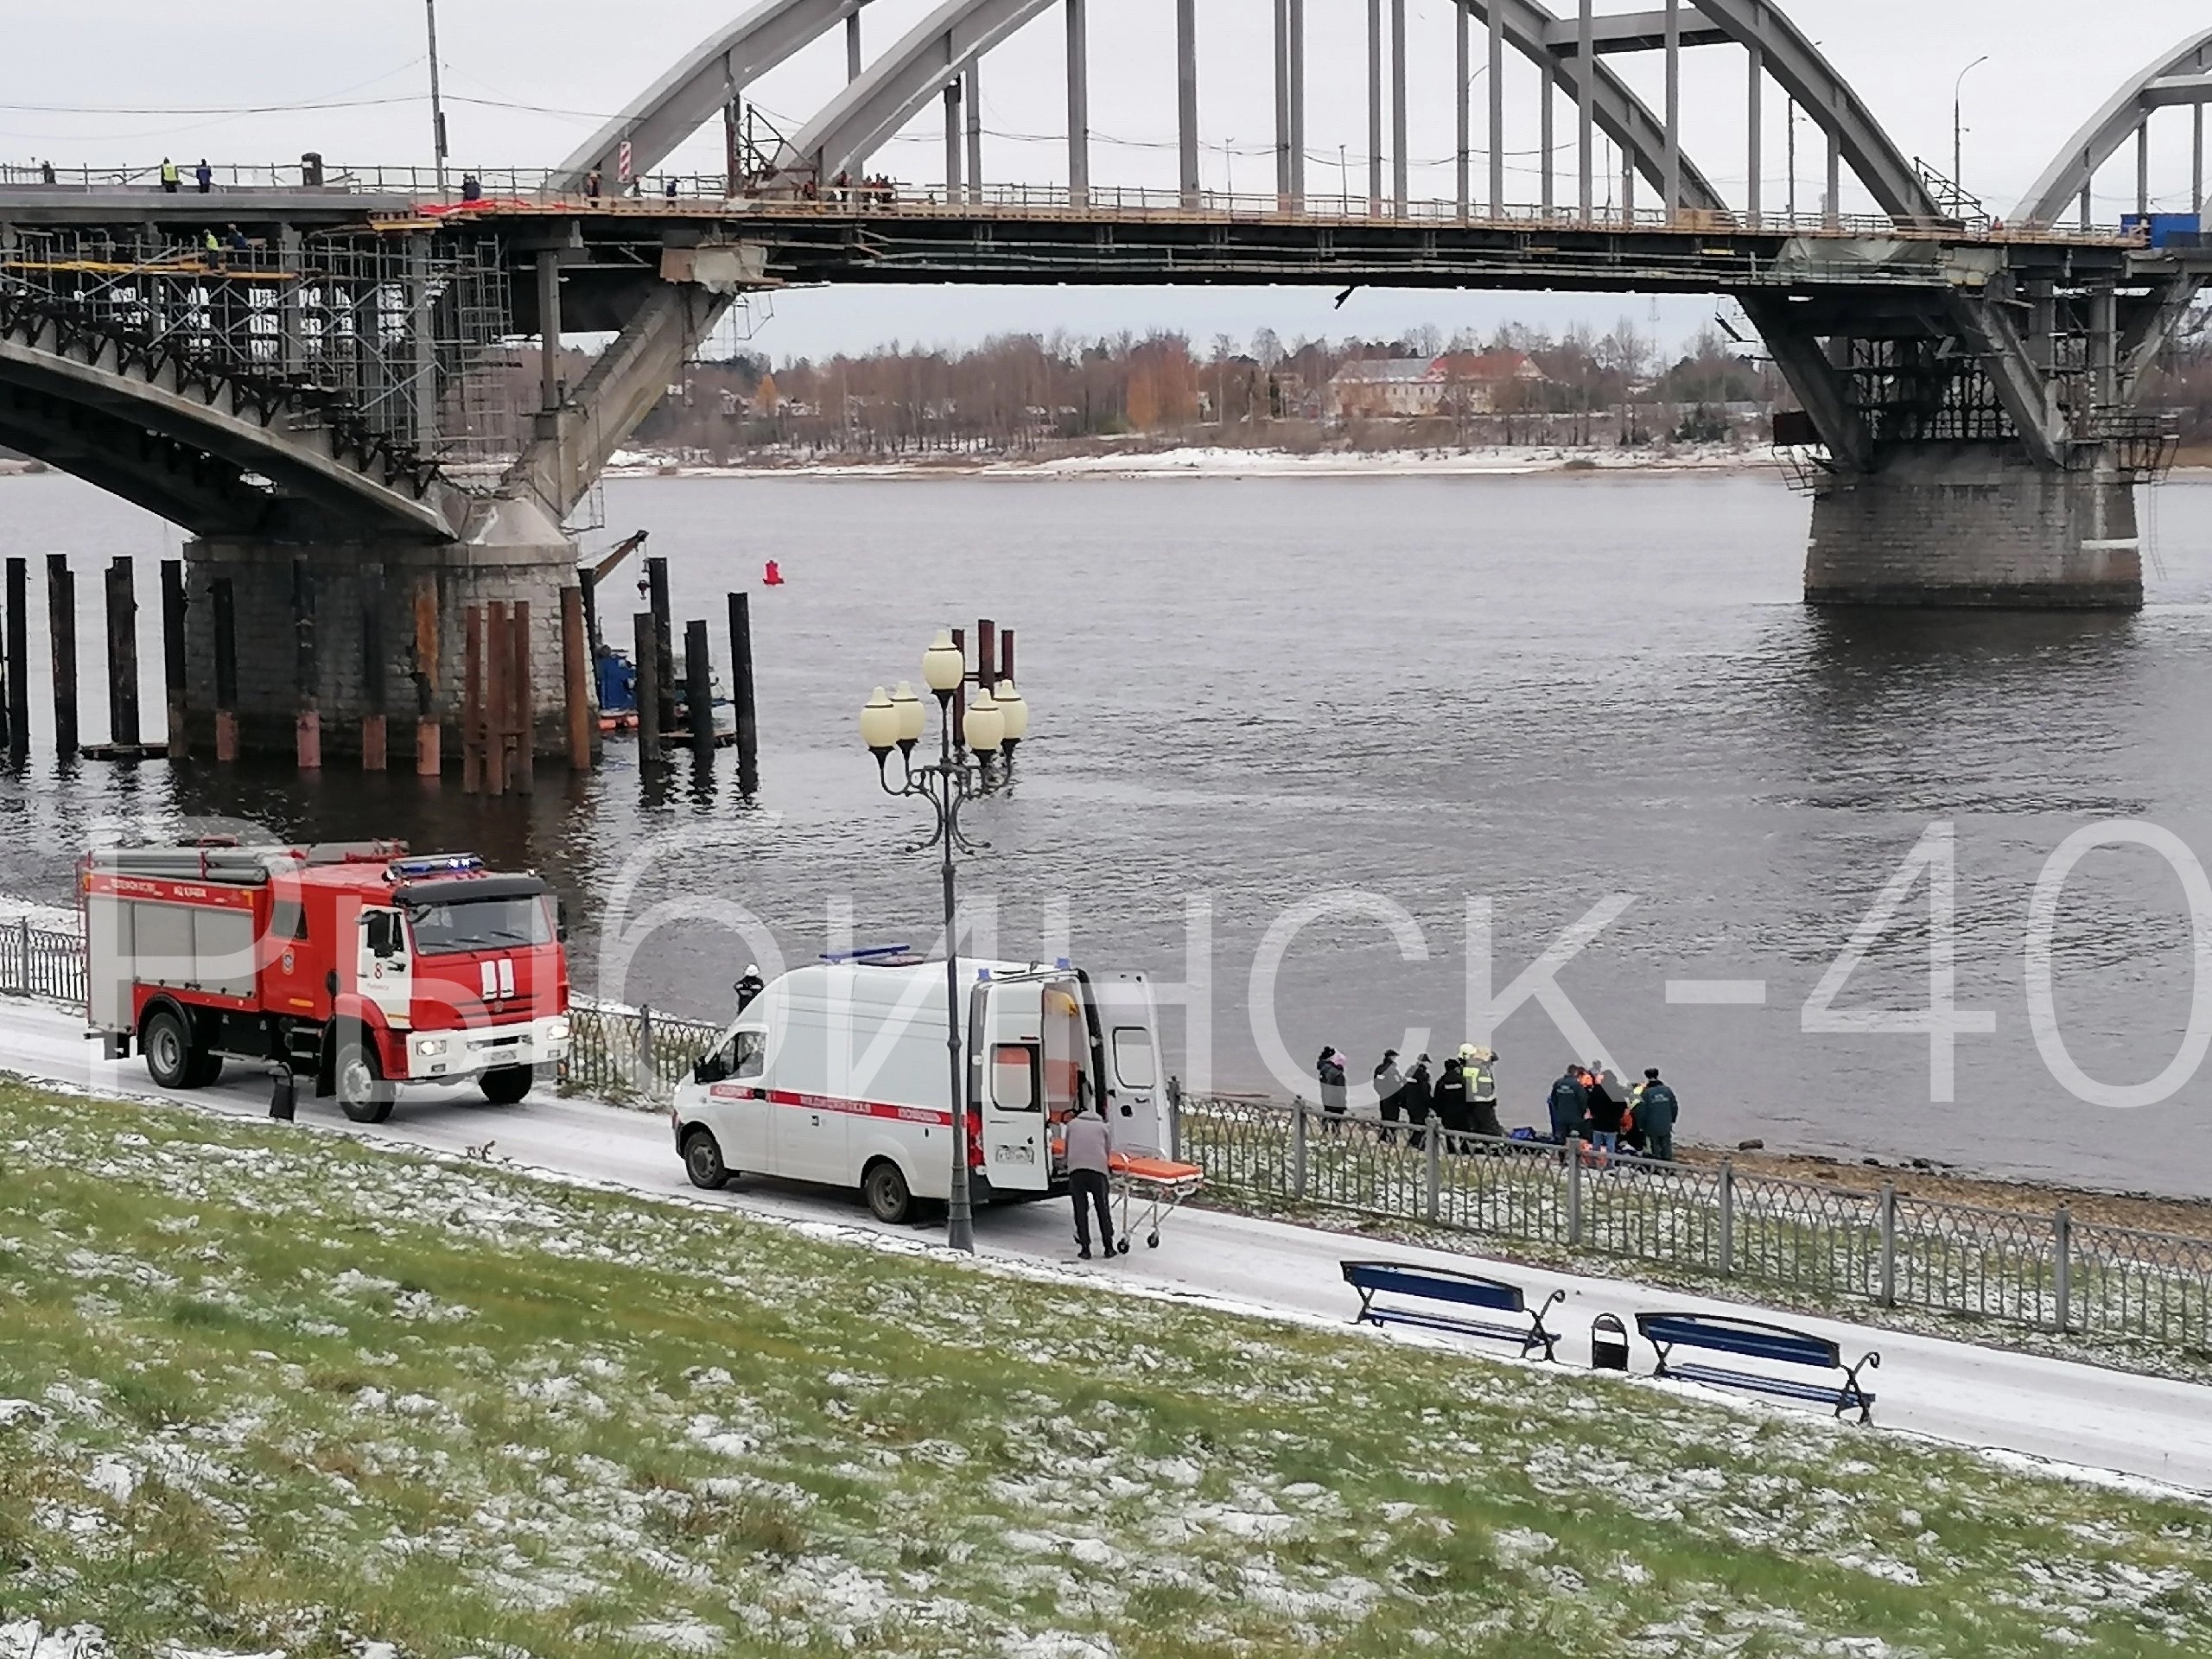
[1222,462]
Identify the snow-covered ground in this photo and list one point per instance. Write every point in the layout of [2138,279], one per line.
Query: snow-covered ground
[1200,460]
[2128,1427]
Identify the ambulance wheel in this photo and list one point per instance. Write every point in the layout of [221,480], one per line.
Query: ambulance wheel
[702,1161]
[889,1199]
[363,1094]
[505,1084]
[168,1048]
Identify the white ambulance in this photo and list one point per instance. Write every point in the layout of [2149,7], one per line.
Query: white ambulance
[838,1074]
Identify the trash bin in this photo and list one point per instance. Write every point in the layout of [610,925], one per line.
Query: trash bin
[1608,1343]
[311,169]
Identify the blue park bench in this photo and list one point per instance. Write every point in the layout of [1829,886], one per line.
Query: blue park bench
[1774,1344]
[1442,1285]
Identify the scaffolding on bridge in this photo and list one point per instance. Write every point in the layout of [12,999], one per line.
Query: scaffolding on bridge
[403,344]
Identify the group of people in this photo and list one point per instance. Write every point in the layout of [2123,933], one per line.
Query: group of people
[1583,1107]
[173,180]
[1459,1101]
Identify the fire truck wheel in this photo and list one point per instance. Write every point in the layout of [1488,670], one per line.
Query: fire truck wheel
[885,1188]
[204,1070]
[702,1161]
[363,1094]
[168,1048]
[505,1084]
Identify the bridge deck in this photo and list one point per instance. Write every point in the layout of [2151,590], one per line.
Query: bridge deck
[1037,234]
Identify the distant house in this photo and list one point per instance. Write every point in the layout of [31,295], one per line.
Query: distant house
[1482,383]
[1410,388]
[1382,388]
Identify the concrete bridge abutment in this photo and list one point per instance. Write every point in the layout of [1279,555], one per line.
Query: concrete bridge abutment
[1975,526]
[385,625]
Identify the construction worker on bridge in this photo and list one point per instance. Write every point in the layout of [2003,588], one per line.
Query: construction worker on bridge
[172,180]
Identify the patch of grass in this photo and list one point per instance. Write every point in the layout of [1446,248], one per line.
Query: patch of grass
[286,1392]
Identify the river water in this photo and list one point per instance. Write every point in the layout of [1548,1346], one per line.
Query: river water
[1361,704]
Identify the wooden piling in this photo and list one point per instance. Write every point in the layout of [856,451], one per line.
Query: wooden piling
[1006,656]
[19,665]
[960,692]
[522,703]
[121,597]
[373,669]
[472,699]
[648,660]
[663,640]
[429,747]
[741,691]
[987,646]
[224,604]
[307,724]
[499,665]
[699,693]
[575,684]
[180,739]
[61,637]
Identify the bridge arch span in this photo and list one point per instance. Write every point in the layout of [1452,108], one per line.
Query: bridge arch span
[698,85]
[2074,170]
[233,441]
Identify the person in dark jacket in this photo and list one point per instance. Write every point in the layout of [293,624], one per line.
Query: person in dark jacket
[1329,1071]
[749,987]
[1570,1105]
[1601,1108]
[1657,1110]
[1452,1104]
[1418,1098]
[1389,1088]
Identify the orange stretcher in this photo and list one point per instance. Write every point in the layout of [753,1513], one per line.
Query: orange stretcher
[1155,1186]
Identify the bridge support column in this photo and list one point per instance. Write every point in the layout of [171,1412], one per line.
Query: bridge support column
[1972,526]
[519,558]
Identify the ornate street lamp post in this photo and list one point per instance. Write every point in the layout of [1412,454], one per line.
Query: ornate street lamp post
[992,727]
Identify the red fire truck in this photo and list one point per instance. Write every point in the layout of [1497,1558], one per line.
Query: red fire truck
[355,965]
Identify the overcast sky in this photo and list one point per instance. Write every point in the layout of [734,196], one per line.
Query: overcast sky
[115,82]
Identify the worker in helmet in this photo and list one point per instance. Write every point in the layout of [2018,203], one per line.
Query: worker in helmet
[1481,1085]
[749,987]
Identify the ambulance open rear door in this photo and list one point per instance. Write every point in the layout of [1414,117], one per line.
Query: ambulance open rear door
[1027,1042]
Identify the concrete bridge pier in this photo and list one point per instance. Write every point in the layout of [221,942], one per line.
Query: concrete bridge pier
[423,589]
[1975,525]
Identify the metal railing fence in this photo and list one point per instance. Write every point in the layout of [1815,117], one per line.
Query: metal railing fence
[631,1053]
[541,187]
[41,962]
[1882,1248]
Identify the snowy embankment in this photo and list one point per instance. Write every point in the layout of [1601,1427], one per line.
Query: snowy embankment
[1220,461]
[2126,1427]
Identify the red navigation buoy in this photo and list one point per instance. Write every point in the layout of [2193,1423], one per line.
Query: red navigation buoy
[772,577]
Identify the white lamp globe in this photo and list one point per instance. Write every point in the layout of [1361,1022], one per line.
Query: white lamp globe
[911,719]
[986,727]
[879,723]
[1014,710]
[944,664]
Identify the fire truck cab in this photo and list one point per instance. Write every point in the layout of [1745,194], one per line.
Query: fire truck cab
[355,965]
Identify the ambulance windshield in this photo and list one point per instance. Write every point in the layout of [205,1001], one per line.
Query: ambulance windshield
[448,927]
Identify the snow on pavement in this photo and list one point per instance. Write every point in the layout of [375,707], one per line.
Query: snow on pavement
[2046,1409]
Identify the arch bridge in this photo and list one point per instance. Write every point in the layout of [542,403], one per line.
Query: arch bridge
[335,372]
